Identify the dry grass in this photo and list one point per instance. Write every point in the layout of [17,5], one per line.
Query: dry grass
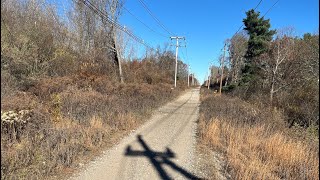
[72,118]
[255,153]
[77,107]
[254,146]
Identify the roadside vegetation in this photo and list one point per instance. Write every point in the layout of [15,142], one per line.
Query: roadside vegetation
[255,141]
[62,99]
[266,122]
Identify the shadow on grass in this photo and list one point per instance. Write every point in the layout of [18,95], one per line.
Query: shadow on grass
[158,159]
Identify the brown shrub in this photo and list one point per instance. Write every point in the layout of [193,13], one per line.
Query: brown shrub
[44,87]
[255,141]
[257,152]
[72,117]
[18,101]
[8,84]
[52,149]
[239,111]
[147,71]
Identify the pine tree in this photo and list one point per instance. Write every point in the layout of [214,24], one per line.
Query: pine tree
[260,35]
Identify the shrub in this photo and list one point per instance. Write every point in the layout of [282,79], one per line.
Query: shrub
[255,140]
[72,117]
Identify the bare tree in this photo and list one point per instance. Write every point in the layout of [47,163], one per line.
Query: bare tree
[86,24]
[215,74]
[114,9]
[281,52]
[95,34]
[237,50]
[126,46]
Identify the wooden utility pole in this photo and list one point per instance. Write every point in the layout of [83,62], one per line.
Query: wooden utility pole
[209,76]
[177,48]
[192,79]
[188,74]
[221,76]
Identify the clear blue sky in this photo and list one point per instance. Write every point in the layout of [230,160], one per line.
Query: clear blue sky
[207,23]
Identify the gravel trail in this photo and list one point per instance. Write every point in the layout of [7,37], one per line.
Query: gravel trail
[163,148]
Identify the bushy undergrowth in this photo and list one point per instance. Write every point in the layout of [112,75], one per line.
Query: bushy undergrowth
[70,118]
[255,141]
[67,81]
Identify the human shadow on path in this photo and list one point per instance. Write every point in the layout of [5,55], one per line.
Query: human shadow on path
[158,159]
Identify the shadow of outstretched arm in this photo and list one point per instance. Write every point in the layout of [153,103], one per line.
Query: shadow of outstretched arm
[180,170]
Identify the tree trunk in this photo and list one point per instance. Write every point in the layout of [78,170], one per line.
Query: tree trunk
[271,94]
[114,5]
[117,57]
[272,89]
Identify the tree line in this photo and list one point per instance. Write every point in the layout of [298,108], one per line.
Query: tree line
[275,67]
[37,41]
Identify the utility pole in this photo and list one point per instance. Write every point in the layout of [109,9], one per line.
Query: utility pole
[192,80]
[209,76]
[188,74]
[224,51]
[177,49]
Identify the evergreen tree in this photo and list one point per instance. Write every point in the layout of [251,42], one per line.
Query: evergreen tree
[260,35]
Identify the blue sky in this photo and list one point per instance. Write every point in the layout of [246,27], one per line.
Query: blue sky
[207,23]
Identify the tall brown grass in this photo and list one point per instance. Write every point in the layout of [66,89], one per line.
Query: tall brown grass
[75,103]
[71,119]
[254,144]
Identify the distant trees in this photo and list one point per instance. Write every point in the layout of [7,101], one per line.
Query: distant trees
[215,74]
[36,42]
[155,67]
[96,36]
[281,70]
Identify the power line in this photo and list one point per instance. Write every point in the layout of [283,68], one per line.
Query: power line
[177,38]
[262,16]
[253,9]
[154,17]
[271,8]
[192,82]
[105,17]
[187,57]
[183,55]
[160,34]
[258,5]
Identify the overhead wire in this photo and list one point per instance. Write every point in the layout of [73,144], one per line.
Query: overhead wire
[264,14]
[154,17]
[253,9]
[257,5]
[186,49]
[134,16]
[270,8]
[105,17]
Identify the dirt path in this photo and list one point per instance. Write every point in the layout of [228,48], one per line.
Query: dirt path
[163,148]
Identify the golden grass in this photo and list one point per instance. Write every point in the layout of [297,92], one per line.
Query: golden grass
[71,124]
[258,152]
